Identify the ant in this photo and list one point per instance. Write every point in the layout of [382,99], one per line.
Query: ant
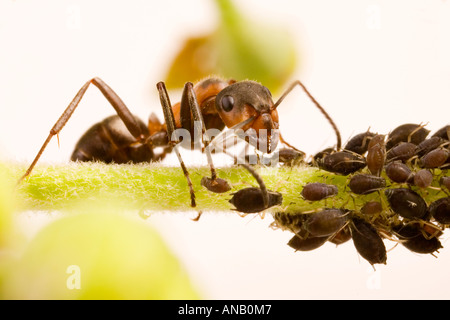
[212,103]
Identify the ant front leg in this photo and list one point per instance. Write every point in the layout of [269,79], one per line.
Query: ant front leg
[122,111]
[190,110]
[171,133]
[189,106]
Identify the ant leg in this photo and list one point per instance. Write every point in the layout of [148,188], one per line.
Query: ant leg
[189,105]
[322,110]
[288,144]
[173,139]
[117,103]
[219,139]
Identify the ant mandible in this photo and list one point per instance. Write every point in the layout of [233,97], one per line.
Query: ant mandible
[212,102]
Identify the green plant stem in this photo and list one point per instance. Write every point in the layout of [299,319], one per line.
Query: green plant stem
[148,186]
[155,188]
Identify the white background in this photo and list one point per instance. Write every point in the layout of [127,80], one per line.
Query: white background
[369,63]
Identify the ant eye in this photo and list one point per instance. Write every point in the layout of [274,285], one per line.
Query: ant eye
[227,103]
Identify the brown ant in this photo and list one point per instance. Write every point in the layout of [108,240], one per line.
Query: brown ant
[211,103]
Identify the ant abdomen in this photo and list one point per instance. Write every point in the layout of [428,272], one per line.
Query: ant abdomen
[110,141]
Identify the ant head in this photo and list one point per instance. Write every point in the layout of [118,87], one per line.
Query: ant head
[243,100]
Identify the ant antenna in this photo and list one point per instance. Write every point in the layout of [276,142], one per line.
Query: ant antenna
[322,110]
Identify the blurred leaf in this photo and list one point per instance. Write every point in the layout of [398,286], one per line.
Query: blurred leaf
[240,49]
[5,220]
[6,206]
[97,255]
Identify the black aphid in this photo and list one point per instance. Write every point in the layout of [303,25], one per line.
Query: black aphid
[366,183]
[216,185]
[368,242]
[406,203]
[440,210]
[359,143]
[413,239]
[299,243]
[409,132]
[399,172]
[318,191]
[342,162]
[250,200]
[325,222]
[402,151]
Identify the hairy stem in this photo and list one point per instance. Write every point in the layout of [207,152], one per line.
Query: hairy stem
[149,186]
[153,187]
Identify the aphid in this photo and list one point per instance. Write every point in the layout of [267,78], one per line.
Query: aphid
[217,185]
[368,242]
[211,104]
[318,157]
[430,144]
[318,191]
[445,181]
[409,132]
[423,178]
[399,172]
[406,203]
[325,222]
[440,210]
[435,158]
[290,157]
[366,183]
[298,243]
[413,239]
[443,133]
[291,221]
[359,143]
[371,208]
[342,162]
[376,154]
[250,200]
[341,236]
[402,151]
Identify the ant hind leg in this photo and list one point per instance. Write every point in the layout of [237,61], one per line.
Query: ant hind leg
[122,111]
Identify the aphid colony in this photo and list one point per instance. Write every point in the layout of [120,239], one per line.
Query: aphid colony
[388,177]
